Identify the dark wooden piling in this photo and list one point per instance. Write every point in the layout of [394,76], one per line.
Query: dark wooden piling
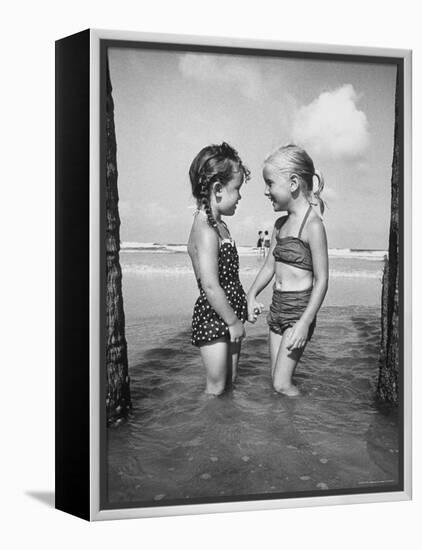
[388,378]
[118,400]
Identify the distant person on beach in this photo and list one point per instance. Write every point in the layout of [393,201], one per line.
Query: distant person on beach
[298,258]
[217,175]
[267,242]
[260,242]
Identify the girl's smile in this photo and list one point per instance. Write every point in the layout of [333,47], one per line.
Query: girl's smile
[277,187]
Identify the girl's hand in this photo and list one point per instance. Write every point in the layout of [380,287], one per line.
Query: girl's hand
[298,335]
[254,309]
[237,331]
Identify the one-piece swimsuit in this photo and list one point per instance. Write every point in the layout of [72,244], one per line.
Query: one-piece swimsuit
[207,325]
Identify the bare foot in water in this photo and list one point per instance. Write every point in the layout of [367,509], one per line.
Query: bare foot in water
[291,391]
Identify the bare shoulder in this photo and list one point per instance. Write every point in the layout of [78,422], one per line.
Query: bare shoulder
[315,228]
[202,234]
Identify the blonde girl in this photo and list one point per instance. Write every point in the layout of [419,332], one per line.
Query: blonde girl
[298,259]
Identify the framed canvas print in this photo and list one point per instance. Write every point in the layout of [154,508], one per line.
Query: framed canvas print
[232,274]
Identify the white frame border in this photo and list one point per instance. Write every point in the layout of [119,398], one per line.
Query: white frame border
[125,513]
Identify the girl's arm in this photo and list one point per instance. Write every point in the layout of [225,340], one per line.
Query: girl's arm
[207,247]
[317,239]
[265,274]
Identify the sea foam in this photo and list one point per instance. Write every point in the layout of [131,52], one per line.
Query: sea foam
[357,253]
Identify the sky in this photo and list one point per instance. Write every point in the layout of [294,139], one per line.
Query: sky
[169,105]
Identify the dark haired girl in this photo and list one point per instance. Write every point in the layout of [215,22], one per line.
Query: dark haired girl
[217,175]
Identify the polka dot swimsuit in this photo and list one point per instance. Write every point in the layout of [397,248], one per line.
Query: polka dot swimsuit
[207,325]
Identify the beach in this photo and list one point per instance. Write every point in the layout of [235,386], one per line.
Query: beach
[181,446]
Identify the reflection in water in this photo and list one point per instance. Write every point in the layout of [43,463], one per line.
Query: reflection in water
[181,444]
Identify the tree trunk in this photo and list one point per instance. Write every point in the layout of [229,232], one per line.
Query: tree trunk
[388,389]
[118,389]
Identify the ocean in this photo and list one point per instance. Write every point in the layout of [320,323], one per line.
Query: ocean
[180,446]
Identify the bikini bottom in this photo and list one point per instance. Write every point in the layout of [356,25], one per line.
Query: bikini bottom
[286,308]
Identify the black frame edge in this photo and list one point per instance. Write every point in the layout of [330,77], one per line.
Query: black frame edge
[72,418]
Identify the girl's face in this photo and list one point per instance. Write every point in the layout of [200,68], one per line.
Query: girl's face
[277,187]
[229,195]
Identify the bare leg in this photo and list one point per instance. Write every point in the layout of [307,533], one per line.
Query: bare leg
[234,354]
[275,342]
[215,358]
[284,368]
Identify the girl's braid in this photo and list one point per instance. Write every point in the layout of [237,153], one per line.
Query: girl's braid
[204,197]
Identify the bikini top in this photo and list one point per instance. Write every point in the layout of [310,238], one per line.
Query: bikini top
[292,250]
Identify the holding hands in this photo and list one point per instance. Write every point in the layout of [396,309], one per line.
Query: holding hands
[236,331]
[254,309]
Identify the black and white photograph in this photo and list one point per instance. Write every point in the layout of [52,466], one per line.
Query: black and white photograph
[252,290]
[210,275]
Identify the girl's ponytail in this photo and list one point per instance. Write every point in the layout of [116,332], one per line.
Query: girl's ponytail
[319,188]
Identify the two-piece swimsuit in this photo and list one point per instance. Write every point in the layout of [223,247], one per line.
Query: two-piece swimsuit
[287,307]
[207,325]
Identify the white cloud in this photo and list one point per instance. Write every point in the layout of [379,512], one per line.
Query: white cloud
[332,125]
[228,71]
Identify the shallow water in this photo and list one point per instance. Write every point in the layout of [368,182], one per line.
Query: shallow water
[182,446]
